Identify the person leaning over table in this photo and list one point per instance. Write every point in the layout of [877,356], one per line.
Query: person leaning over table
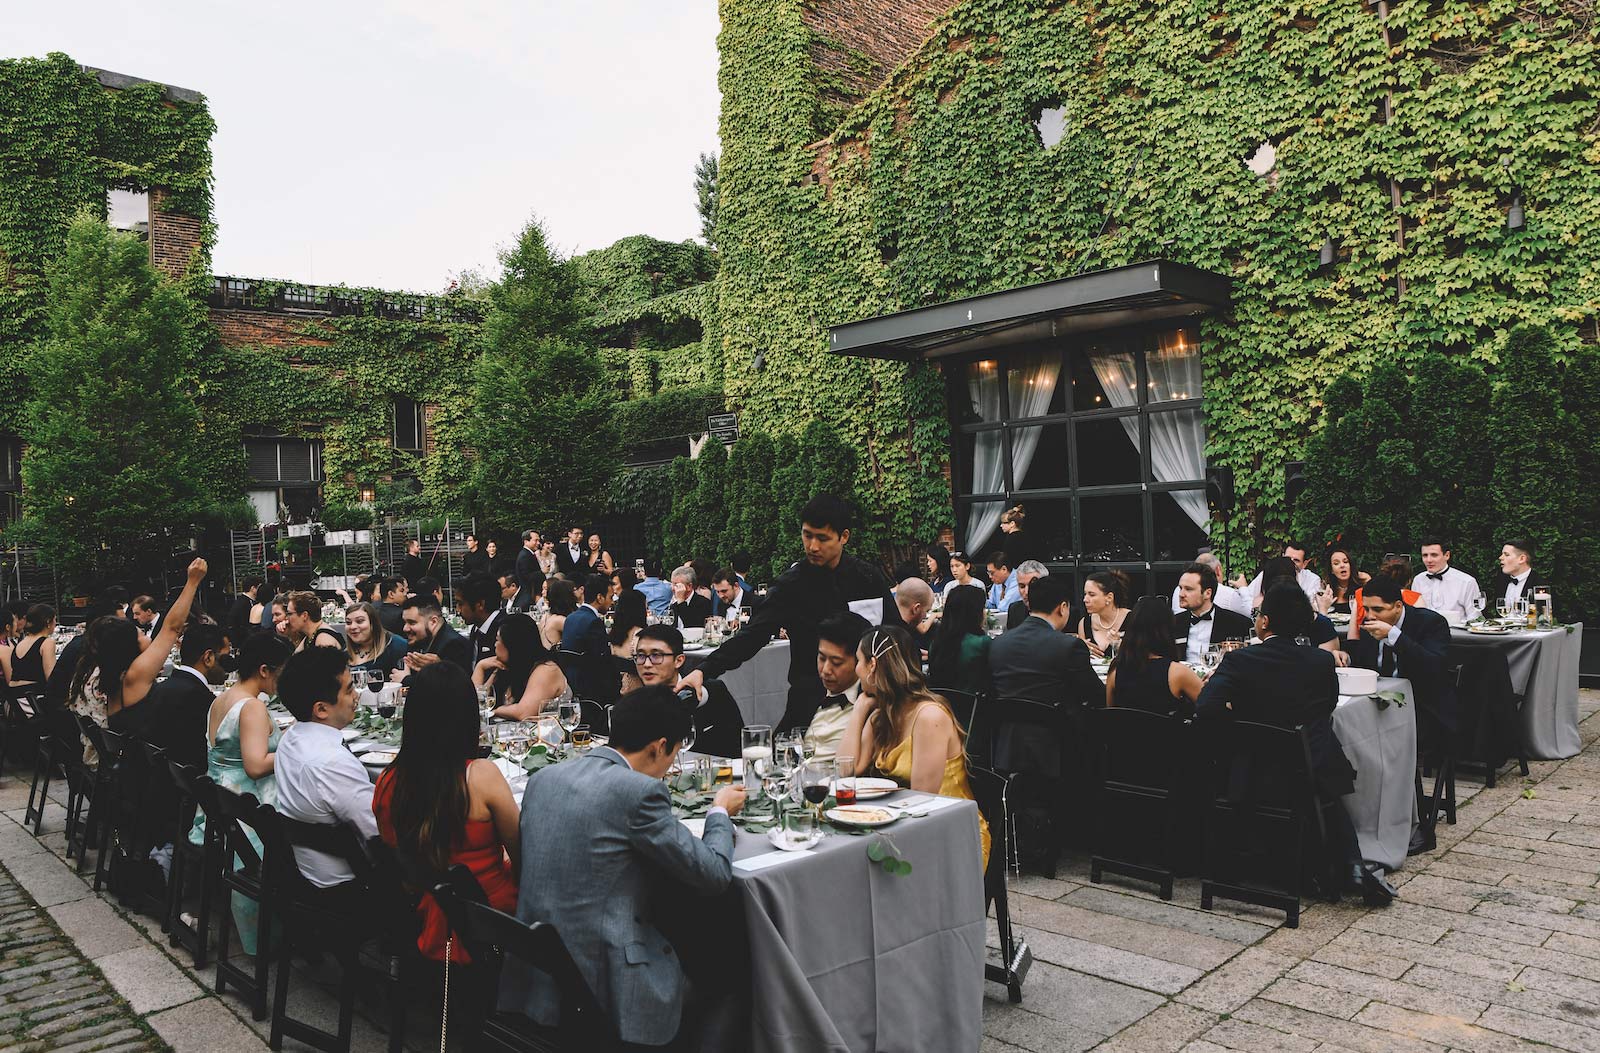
[369,646]
[1147,673]
[913,598]
[522,676]
[611,815]
[431,639]
[1516,579]
[1444,588]
[319,781]
[958,653]
[658,657]
[828,581]
[439,804]
[838,636]
[902,730]
[1283,684]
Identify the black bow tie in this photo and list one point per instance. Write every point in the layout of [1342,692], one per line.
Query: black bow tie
[1439,576]
[1196,619]
[842,701]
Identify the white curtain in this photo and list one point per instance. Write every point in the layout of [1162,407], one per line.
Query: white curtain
[1177,440]
[1031,383]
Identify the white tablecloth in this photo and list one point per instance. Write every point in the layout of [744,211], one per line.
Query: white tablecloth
[1544,671]
[1381,744]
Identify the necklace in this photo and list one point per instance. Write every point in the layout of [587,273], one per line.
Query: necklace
[1098,624]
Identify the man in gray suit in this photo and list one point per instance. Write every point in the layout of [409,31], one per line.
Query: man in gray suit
[598,840]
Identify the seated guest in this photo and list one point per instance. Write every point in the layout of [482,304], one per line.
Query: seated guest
[1321,632]
[658,657]
[369,646]
[431,638]
[704,571]
[1442,587]
[319,781]
[901,729]
[439,804]
[731,594]
[29,662]
[1285,685]
[838,636]
[522,675]
[913,598]
[961,574]
[1516,579]
[603,889]
[1146,674]
[936,567]
[560,600]
[1227,597]
[592,673]
[142,609]
[958,656]
[1396,569]
[392,593]
[657,593]
[1105,605]
[1309,583]
[1344,580]
[478,604]
[629,614]
[1202,623]
[689,609]
[1003,590]
[1038,660]
[508,592]
[428,589]
[1027,570]
[241,738]
[173,714]
[305,623]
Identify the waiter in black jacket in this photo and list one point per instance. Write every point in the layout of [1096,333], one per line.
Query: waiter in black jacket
[826,582]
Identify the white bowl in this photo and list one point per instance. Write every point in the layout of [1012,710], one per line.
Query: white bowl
[1354,681]
[693,635]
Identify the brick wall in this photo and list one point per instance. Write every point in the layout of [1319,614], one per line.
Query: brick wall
[262,328]
[174,237]
[884,32]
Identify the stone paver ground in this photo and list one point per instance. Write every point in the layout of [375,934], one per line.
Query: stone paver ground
[1493,947]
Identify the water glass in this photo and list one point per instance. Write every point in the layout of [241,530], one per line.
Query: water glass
[844,787]
[799,827]
[755,745]
[569,714]
[705,774]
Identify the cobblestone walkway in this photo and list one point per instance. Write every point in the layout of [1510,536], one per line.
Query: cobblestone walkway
[1492,947]
[51,998]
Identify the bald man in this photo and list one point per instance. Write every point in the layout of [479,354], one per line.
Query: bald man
[914,599]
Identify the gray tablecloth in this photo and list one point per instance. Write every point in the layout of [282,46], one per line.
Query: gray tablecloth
[761,685]
[1381,745]
[848,958]
[1544,671]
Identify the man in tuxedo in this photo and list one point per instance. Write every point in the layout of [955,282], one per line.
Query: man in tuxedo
[144,614]
[412,565]
[584,634]
[238,622]
[391,598]
[827,581]
[838,638]
[1517,580]
[478,604]
[527,567]
[475,561]
[1027,571]
[571,559]
[689,608]
[1201,622]
[1443,587]
[1227,597]
[730,595]
[431,638]
[658,658]
[1281,683]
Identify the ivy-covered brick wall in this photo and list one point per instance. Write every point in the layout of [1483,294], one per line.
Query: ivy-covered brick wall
[1402,139]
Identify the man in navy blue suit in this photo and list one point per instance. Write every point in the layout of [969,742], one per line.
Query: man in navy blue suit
[584,634]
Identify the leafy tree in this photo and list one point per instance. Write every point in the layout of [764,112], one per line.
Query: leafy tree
[788,480]
[677,542]
[752,512]
[706,197]
[1450,417]
[114,468]
[1534,477]
[645,496]
[708,505]
[1581,395]
[542,429]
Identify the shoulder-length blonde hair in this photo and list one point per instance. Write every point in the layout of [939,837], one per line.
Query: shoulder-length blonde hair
[897,684]
[380,634]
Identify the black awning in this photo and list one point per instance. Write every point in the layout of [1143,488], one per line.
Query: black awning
[1131,295]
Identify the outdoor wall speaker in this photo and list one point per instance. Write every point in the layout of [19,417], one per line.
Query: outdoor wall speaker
[1514,215]
[1294,482]
[1327,254]
[1219,488]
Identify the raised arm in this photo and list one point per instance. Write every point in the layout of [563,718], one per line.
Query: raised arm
[144,670]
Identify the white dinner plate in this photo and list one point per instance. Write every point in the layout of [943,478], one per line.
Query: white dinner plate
[1488,630]
[867,816]
[867,789]
[380,758]
[776,839]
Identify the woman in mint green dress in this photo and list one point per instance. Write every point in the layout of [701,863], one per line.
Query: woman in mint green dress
[243,736]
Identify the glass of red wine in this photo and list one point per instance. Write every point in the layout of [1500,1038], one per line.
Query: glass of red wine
[816,782]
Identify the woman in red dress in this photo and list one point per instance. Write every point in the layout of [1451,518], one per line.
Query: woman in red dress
[438,804]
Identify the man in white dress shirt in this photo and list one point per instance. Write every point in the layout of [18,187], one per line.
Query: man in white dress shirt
[1443,588]
[1309,582]
[838,636]
[1227,597]
[319,781]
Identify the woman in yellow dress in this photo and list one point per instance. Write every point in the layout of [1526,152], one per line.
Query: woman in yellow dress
[904,731]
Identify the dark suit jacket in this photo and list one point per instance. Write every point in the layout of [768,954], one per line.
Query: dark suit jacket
[1497,588]
[1037,662]
[527,567]
[450,646]
[174,718]
[1017,613]
[693,612]
[475,563]
[1225,625]
[572,568]
[717,722]
[591,671]
[413,569]
[392,617]
[483,640]
[1422,656]
[238,622]
[1280,683]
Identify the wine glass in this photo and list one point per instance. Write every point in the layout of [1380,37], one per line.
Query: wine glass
[1504,609]
[516,743]
[816,780]
[569,714]
[1212,658]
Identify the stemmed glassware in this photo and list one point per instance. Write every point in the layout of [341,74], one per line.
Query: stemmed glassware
[569,714]
[816,780]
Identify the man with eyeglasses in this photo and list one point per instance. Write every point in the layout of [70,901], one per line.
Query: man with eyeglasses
[658,658]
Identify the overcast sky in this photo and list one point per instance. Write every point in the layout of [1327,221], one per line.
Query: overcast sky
[395,143]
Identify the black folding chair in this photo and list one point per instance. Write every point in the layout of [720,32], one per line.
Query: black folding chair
[59,745]
[964,704]
[249,873]
[92,788]
[1041,747]
[1139,760]
[491,936]
[990,788]
[21,720]
[196,793]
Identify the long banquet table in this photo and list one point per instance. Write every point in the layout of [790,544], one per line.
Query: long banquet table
[1544,671]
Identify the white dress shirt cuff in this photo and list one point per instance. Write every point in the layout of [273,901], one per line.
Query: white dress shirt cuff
[717,809]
